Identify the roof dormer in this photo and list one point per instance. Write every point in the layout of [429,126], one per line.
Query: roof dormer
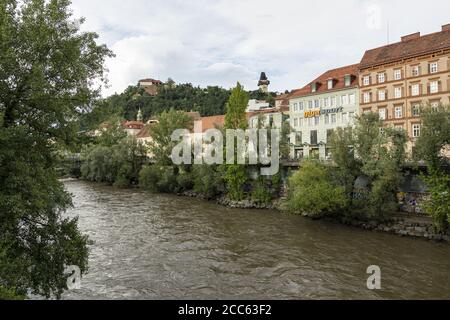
[315,86]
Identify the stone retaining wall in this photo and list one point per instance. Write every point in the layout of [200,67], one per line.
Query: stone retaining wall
[402,224]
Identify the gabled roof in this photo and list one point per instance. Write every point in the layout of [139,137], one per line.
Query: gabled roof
[336,74]
[410,47]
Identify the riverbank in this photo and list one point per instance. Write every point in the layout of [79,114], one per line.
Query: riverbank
[401,224]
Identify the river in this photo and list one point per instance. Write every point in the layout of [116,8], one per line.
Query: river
[149,246]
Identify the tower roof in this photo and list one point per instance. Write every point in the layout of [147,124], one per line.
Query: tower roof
[263,80]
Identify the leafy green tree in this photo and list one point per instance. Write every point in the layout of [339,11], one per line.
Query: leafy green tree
[348,167]
[207,181]
[434,138]
[235,175]
[375,152]
[162,145]
[117,164]
[48,72]
[311,191]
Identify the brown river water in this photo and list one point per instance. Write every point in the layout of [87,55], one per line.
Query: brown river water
[149,246]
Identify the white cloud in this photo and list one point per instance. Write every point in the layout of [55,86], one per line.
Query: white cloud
[219,42]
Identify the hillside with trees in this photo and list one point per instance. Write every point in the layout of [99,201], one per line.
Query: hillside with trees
[209,101]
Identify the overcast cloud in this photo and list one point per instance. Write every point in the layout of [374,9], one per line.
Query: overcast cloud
[219,42]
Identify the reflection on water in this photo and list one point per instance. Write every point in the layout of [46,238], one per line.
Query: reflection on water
[150,246]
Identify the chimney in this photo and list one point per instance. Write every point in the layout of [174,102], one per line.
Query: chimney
[446,27]
[411,37]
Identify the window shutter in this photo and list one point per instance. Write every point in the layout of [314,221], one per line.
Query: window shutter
[439,86]
[429,68]
[410,90]
[428,88]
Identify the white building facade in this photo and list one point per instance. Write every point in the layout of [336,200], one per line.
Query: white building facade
[329,102]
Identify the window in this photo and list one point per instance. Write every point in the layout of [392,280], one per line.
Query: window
[352,98]
[347,80]
[398,112]
[398,92]
[310,104]
[344,118]
[298,138]
[416,130]
[382,131]
[316,103]
[310,122]
[327,118]
[433,67]
[329,134]
[333,101]
[435,105]
[398,127]
[434,87]
[300,106]
[366,80]
[415,71]
[344,100]
[381,77]
[313,137]
[381,95]
[326,102]
[333,118]
[415,110]
[295,122]
[313,87]
[295,107]
[366,97]
[415,89]
[300,122]
[382,114]
[330,84]
[316,121]
[398,74]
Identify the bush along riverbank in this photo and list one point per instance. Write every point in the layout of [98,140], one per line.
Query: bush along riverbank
[360,188]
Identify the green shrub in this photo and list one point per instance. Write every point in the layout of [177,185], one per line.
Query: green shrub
[9,294]
[185,180]
[149,177]
[312,193]
[207,181]
[261,195]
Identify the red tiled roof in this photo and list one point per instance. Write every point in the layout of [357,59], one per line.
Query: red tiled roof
[415,46]
[336,74]
[212,122]
[145,132]
[133,124]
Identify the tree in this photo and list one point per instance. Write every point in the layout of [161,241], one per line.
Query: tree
[375,152]
[347,166]
[235,175]
[117,164]
[161,145]
[434,138]
[48,72]
[311,191]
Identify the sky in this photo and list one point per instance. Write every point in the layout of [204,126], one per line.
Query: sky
[220,42]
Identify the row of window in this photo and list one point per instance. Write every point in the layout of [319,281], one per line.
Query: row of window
[346,118]
[343,100]
[415,128]
[415,90]
[415,71]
